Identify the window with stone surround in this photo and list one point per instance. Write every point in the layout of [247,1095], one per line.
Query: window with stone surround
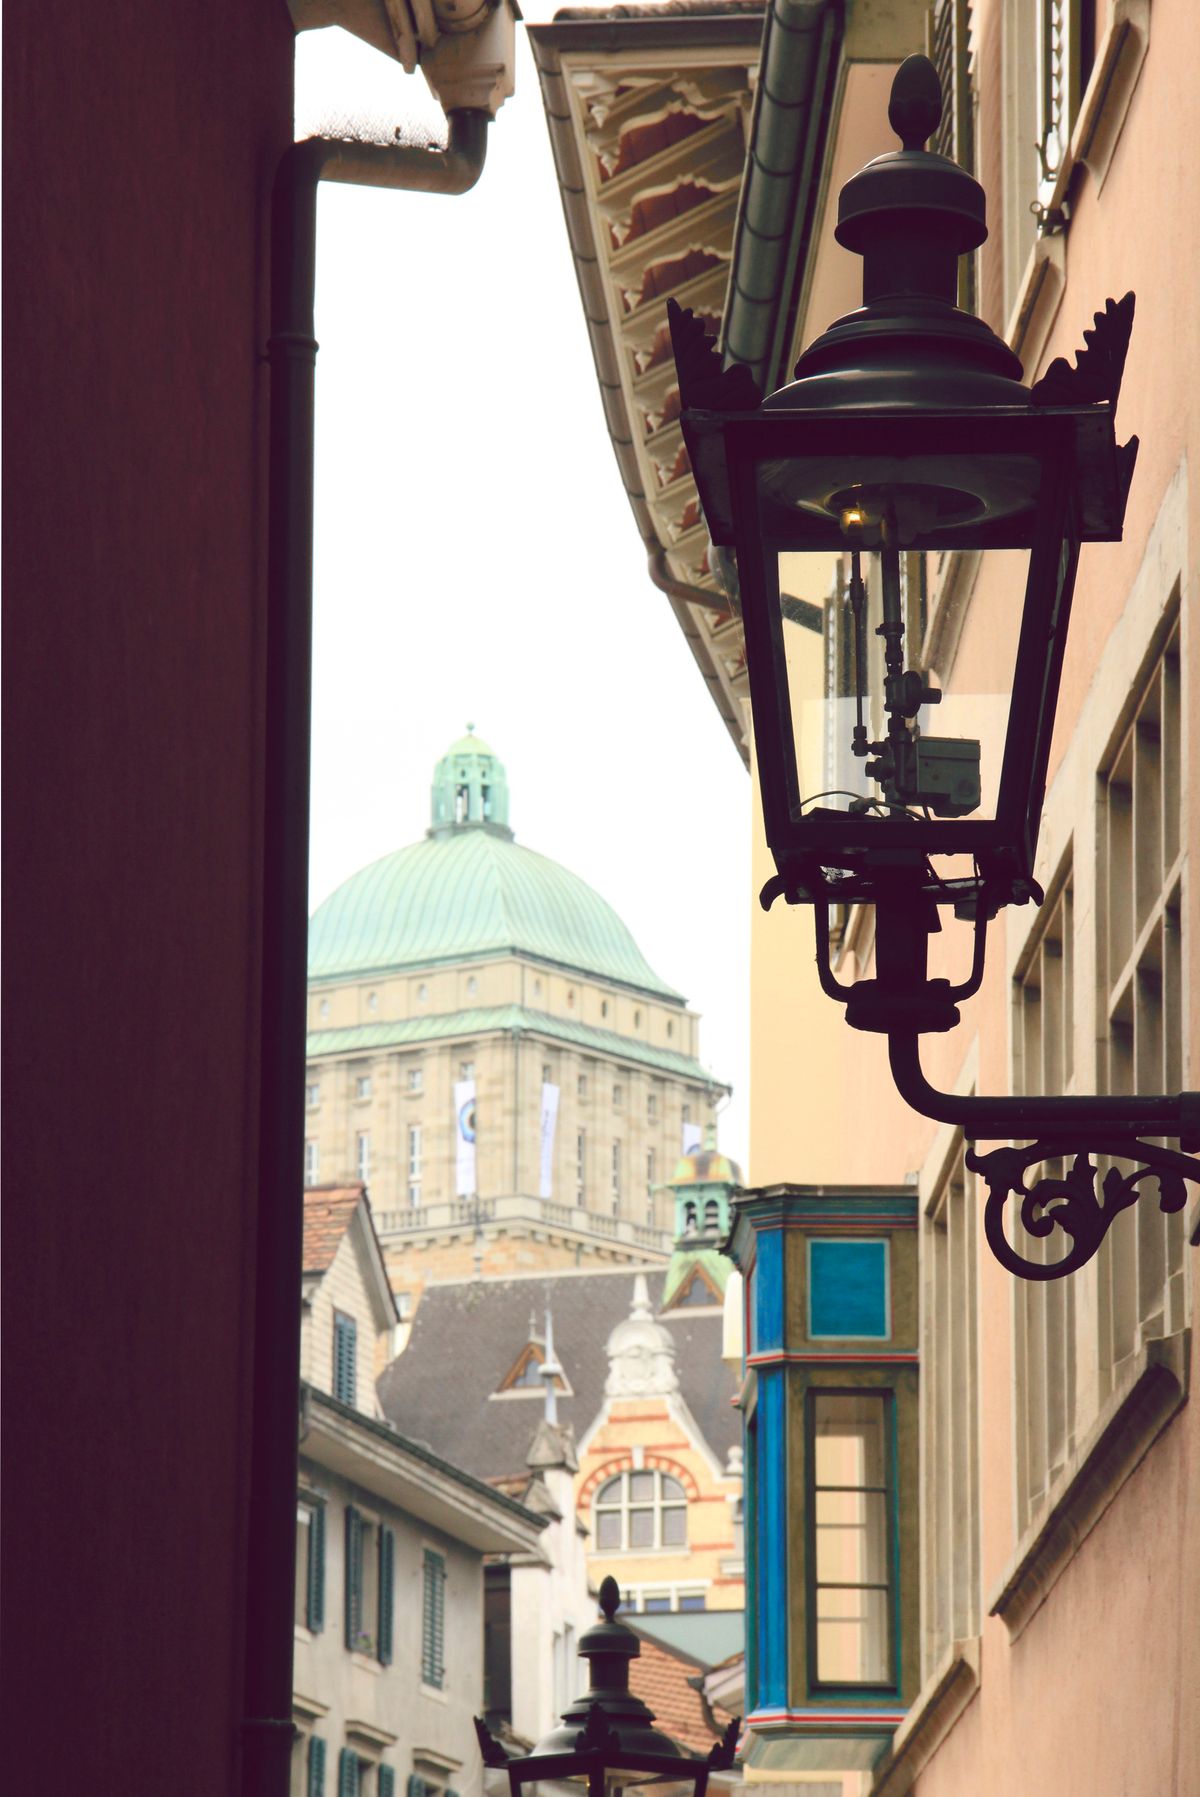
[414,1164]
[950,1566]
[1140,981]
[1044,1312]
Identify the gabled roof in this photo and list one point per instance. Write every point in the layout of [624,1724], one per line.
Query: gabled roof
[660,1676]
[327,1214]
[467,1334]
[331,1213]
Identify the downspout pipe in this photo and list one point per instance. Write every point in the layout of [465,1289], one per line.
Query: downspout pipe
[773,229]
[266,1729]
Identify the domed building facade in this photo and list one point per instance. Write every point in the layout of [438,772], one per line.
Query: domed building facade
[492,1054]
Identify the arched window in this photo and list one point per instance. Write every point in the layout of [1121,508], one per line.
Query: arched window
[712,1214]
[639,1511]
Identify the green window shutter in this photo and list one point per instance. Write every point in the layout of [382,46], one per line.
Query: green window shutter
[347,1773]
[387,1584]
[345,1358]
[316,1766]
[387,1782]
[354,1528]
[316,1574]
[433,1621]
[416,1785]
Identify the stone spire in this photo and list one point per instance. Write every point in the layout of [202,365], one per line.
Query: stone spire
[550,1371]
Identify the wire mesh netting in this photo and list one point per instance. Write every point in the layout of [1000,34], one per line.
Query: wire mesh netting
[363,128]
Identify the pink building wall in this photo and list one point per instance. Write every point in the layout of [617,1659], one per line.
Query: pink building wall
[140,143]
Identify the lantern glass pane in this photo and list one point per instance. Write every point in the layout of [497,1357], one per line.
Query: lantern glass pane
[869,737]
[917,495]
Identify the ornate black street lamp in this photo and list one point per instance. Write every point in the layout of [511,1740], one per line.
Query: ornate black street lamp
[607,1740]
[907,432]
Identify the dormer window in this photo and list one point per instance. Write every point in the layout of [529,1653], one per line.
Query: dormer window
[695,1294]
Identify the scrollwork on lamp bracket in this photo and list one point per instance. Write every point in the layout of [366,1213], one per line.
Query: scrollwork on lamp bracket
[1070,1201]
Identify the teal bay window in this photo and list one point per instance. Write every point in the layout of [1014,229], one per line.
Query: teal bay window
[831,1457]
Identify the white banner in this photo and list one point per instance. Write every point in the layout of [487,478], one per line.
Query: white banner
[464,1138]
[549,1120]
[691,1137]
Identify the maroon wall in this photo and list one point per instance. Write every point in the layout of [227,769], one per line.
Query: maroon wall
[140,141]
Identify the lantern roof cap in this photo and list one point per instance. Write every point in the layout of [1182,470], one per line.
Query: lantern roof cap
[913,187]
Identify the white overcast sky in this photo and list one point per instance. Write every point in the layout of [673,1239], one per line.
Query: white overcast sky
[476,559]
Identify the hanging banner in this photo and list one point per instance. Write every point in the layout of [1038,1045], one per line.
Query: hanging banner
[549,1121]
[464,1138]
[691,1137]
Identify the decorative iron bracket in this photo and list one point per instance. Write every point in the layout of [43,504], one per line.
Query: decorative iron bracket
[1071,1201]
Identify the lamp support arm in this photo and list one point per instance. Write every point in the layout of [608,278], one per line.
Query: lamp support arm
[1017,1117]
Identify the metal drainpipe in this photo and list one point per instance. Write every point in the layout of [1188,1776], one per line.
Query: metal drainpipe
[776,205]
[266,1730]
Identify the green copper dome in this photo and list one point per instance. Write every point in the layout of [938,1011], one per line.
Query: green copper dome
[468,890]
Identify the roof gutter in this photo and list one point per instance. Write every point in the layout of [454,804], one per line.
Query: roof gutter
[773,230]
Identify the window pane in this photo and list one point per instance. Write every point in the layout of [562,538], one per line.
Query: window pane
[852,1645]
[303,1526]
[674,1527]
[608,1528]
[850,1445]
[656,1606]
[691,1600]
[671,1488]
[851,1533]
[610,1491]
[641,1486]
[641,1528]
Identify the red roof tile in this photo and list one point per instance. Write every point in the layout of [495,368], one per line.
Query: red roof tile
[660,1679]
[327,1214]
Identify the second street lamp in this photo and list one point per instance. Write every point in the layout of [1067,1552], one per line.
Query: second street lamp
[907,433]
[606,1740]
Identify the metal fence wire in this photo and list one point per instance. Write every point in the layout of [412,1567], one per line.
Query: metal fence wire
[360,128]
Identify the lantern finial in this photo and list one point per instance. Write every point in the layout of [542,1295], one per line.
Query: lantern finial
[610,1597]
[915,108]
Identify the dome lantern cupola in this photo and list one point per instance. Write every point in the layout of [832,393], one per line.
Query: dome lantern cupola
[470,789]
